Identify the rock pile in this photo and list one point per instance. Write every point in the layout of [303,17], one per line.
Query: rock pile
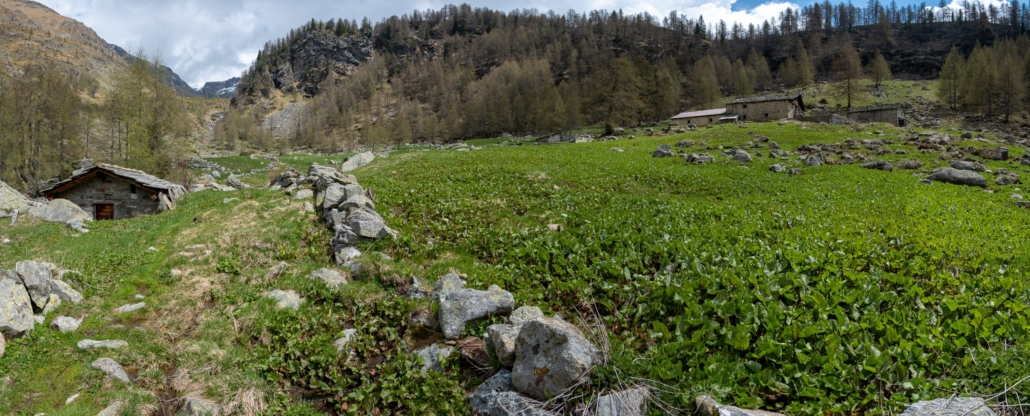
[33,288]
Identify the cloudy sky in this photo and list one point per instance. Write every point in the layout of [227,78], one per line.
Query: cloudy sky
[214,40]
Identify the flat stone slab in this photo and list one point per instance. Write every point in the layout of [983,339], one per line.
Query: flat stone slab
[330,277]
[464,306]
[959,406]
[65,291]
[112,369]
[132,307]
[285,299]
[66,324]
[16,318]
[90,344]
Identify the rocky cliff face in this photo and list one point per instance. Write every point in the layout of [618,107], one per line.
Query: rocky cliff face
[180,86]
[311,59]
[220,89]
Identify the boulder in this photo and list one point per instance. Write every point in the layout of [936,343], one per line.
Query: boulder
[707,406]
[1009,178]
[910,164]
[446,285]
[52,304]
[847,159]
[464,306]
[132,307]
[37,278]
[1025,160]
[65,291]
[497,397]
[663,151]
[60,211]
[358,201]
[357,161]
[958,406]
[87,344]
[285,299]
[433,356]
[814,160]
[345,254]
[114,409]
[195,406]
[365,223]
[330,277]
[777,168]
[3,345]
[742,156]
[502,336]
[341,343]
[699,158]
[551,356]
[112,369]
[878,165]
[965,165]
[958,177]
[685,143]
[304,194]
[630,402]
[235,182]
[12,200]
[334,195]
[66,324]
[16,318]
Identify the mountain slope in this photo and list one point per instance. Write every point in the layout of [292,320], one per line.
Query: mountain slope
[33,34]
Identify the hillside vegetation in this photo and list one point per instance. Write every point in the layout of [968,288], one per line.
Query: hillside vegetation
[839,290]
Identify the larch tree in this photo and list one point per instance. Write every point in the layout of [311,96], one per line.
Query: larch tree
[879,70]
[1010,86]
[704,84]
[847,73]
[762,75]
[950,83]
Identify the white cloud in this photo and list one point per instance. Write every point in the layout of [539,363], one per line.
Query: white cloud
[213,40]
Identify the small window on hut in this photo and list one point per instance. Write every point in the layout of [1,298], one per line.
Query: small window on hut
[102,176]
[132,189]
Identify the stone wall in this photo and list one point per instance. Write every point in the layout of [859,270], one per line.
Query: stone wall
[895,116]
[764,111]
[113,190]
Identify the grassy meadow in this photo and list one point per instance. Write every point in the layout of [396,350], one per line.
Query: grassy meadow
[839,290]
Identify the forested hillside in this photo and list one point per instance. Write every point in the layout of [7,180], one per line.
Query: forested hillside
[462,72]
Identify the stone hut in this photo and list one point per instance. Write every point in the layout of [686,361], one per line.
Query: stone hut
[111,192]
[892,114]
[770,108]
[699,118]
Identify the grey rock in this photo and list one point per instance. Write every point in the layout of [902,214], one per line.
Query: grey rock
[550,357]
[814,160]
[285,299]
[112,369]
[132,307]
[794,171]
[630,402]
[699,158]
[446,285]
[309,207]
[357,202]
[3,345]
[949,407]
[12,200]
[742,156]
[365,223]
[958,177]
[195,406]
[878,165]
[467,305]
[967,136]
[416,291]
[52,304]
[77,225]
[16,319]
[235,182]
[965,165]
[777,168]
[304,194]
[847,159]
[663,151]
[497,397]
[341,343]
[707,406]
[87,344]
[357,161]
[344,236]
[433,356]
[1025,160]
[345,254]
[910,164]
[40,319]
[60,211]
[37,278]
[685,143]
[65,291]
[114,409]
[330,277]
[502,339]
[334,195]
[66,324]
[525,314]
[1010,178]
[617,150]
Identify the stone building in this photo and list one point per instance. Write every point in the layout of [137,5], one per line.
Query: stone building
[699,118]
[767,108]
[892,114]
[111,192]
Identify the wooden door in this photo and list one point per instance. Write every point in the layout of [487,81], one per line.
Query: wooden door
[104,211]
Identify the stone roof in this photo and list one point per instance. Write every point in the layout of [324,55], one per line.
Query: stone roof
[144,179]
[702,113]
[766,99]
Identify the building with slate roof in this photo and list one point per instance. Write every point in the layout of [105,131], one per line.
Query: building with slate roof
[110,192]
[770,108]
